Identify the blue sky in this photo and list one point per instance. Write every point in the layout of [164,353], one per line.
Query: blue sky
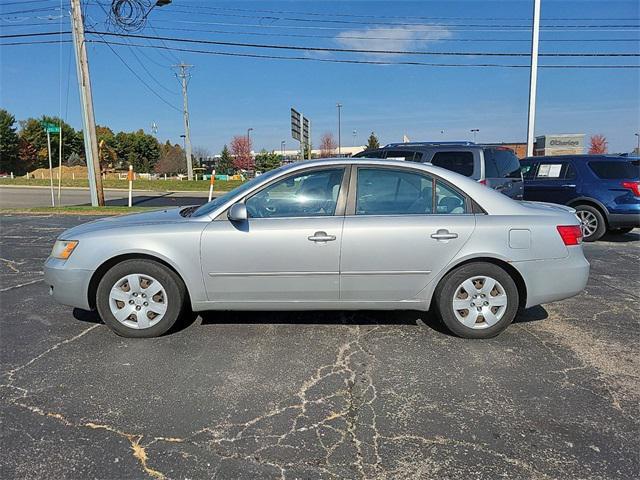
[230,94]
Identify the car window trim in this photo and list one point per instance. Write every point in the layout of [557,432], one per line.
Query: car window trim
[469,204]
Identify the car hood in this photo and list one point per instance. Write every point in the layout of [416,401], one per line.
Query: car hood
[155,217]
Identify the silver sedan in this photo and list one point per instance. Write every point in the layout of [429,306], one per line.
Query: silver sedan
[340,234]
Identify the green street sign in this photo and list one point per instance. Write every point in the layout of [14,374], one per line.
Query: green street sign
[52,129]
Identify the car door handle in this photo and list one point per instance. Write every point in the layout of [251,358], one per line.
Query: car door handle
[569,185]
[322,237]
[444,234]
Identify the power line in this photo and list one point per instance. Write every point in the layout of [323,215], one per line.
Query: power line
[359,50]
[334,14]
[389,39]
[367,62]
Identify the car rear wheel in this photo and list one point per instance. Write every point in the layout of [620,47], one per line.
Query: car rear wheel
[477,300]
[140,298]
[591,222]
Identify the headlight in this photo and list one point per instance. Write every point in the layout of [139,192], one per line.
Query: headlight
[63,248]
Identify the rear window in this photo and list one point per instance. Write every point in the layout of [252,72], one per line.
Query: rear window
[501,163]
[409,156]
[459,162]
[616,170]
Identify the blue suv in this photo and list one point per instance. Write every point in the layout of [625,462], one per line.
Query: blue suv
[604,189]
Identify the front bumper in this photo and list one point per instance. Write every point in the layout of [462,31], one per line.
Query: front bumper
[68,286]
[555,279]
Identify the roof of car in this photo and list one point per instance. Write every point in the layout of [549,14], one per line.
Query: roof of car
[584,157]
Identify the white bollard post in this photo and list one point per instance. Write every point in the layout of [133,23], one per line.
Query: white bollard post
[11,175]
[213,177]
[130,177]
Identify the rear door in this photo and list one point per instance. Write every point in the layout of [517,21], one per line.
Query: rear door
[502,172]
[554,181]
[402,227]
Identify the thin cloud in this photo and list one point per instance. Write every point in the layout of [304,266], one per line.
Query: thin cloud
[397,38]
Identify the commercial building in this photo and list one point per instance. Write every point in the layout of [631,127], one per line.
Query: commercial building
[564,144]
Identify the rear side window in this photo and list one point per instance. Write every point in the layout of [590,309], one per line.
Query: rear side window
[408,156]
[459,162]
[616,170]
[370,154]
[501,163]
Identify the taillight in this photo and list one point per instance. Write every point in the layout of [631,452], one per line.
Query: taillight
[633,186]
[571,234]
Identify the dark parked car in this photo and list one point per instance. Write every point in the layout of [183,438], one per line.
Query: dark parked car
[495,167]
[604,189]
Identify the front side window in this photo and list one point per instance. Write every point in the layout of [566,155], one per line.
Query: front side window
[528,170]
[385,191]
[551,171]
[459,162]
[306,194]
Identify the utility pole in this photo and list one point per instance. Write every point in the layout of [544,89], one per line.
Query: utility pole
[339,106]
[184,77]
[86,99]
[638,147]
[533,81]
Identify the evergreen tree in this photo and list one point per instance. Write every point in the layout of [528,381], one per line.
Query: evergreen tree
[9,144]
[373,142]
[266,161]
[225,164]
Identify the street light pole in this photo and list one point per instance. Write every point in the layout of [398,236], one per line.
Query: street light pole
[339,106]
[638,147]
[475,133]
[249,130]
[533,81]
[282,144]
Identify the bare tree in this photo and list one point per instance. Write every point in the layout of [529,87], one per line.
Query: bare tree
[327,145]
[598,144]
[200,154]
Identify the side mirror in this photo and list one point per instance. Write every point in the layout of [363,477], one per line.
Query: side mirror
[238,212]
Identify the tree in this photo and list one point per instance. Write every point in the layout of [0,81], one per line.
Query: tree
[266,161]
[28,156]
[32,132]
[241,151]
[138,149]
[172,160]
[106,147]
[225,163]
[373,142]
[598,144]
[327,145]
[200,154]
[9,144]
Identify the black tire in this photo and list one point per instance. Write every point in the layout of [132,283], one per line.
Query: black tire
[448,289]
[169,280]
[601,224]
[620,231]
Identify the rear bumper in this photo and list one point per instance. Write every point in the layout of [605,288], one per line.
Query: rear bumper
[68,286]
[551,280]
[623,220]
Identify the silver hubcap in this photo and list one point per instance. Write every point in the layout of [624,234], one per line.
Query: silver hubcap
[588,222]
[479,302]
[138,301]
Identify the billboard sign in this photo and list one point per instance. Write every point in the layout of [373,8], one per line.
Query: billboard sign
[296,124]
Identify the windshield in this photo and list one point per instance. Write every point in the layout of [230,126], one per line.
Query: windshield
[245,187]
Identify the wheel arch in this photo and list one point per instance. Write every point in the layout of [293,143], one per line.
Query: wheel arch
[505,265]
[107,264]
[592,203]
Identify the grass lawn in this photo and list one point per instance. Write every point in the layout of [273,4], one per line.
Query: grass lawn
[153,185]
[77,210]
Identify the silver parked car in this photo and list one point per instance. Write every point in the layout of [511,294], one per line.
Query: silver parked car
[331,234]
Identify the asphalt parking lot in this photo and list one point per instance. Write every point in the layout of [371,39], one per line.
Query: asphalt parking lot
[319,395]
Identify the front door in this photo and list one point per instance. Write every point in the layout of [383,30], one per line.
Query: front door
[287,250]
[404,228]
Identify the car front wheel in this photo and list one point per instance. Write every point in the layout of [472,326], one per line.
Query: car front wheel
[140,298]
[477,300]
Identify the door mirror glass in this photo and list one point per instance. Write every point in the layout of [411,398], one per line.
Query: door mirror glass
[237,212]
